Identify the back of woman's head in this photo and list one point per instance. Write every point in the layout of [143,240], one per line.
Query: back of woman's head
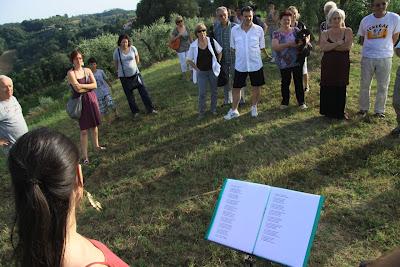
[43,165]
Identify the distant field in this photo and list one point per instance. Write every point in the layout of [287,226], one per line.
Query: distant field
[7,61]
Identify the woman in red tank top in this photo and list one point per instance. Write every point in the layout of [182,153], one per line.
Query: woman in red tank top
[48,186]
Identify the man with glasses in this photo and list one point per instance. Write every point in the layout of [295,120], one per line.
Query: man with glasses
[248,41]
[378,33]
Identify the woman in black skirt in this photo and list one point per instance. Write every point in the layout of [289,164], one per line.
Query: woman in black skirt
[336,43]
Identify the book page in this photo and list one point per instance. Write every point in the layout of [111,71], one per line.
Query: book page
[287,226]
[238,215]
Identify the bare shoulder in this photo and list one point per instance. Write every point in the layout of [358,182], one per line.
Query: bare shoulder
[348,30]
[87,70]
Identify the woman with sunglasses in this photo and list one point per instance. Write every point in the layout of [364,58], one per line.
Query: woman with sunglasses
[378,33]
[182,33]
[48,187]
[204,55]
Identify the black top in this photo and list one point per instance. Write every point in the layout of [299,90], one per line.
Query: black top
[204,59]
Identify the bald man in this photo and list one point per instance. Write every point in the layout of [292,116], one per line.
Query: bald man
[12,122]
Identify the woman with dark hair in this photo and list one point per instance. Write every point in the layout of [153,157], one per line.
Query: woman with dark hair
[48,186]
[126,60]
[286,58]
[83,83]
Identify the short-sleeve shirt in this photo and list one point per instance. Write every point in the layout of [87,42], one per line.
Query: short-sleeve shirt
[378,33]
[185,42]
[102,86]
[12,122]
[287,58]
[129,65]
[248,47]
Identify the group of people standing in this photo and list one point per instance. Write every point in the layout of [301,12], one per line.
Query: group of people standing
[237,43]
[91,84]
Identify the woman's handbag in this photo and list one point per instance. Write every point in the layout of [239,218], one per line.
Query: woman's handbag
[175,44]
[74,107]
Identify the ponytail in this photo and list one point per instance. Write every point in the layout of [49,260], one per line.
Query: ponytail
[42,165]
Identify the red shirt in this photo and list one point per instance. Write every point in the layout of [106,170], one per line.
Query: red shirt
[111,260]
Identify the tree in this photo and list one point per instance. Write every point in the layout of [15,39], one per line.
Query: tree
[149,11]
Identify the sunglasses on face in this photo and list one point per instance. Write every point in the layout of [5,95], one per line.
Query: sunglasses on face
[203,30]
[383,4]
[179,21]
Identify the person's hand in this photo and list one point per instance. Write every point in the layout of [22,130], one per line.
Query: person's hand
[340,42]
[292,44]
[4,142]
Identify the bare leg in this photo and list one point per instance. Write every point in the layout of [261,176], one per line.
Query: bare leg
[84,144]
[235,98]
[95,136]
[306,80]
[256,95]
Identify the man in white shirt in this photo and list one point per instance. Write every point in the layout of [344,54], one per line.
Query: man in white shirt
[12,122]
[378,33]
[247,41]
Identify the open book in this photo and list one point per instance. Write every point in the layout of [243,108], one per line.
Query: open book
[273,223]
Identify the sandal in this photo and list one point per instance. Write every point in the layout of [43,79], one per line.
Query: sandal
[101,148]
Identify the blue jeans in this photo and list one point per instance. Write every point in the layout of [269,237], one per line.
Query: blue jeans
[204,77]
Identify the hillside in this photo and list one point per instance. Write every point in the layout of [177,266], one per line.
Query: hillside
[158,181]
[7,61]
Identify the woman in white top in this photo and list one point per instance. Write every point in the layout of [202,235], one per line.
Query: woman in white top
[204,55]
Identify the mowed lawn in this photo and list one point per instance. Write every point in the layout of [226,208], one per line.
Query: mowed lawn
[158,181]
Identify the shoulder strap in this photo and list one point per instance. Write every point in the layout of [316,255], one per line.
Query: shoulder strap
[120,61]
[213,47]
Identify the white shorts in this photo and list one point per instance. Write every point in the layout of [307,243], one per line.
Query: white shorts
[182,60]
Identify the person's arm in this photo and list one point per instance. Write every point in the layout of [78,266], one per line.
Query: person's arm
[93,84]
[328,46]
[348,41]
[279,47]
[105,78]
[218,49]
[395,37]
[74,83]
[4,142]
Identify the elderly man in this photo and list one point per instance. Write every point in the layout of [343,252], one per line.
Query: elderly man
[12,122]
[378,33]
[248,41]
[222,33]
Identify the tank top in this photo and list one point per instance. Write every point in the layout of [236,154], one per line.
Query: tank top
[111,260]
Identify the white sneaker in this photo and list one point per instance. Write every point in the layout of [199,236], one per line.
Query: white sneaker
[303,106]
[254,112]
[231,114]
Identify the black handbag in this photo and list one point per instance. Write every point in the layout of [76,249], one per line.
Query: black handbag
[222,77]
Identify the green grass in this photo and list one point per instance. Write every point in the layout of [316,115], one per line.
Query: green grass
[159,179]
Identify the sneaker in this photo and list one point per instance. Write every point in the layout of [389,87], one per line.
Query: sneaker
[135,115]
[214,113]
[272,60]
[284,106]
[307,89]
[303,106]
[200,117]
[362,113]
[231,114]
[379,115]
[396,131]
[254,112]
[153,112]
